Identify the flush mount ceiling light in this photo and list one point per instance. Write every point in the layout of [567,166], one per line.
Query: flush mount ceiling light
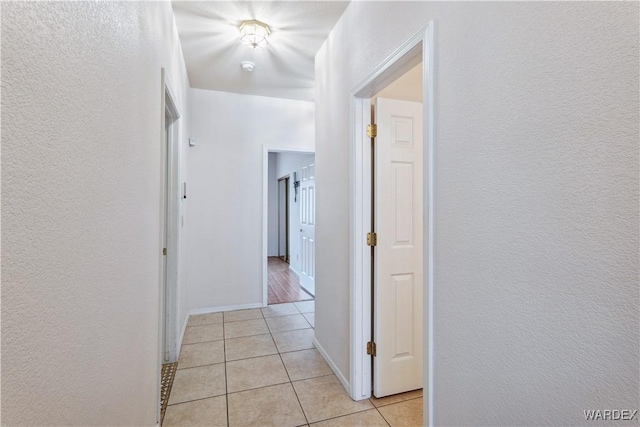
[254,33]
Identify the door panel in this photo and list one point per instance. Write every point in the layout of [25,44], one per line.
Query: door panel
[398,276]
[307,228]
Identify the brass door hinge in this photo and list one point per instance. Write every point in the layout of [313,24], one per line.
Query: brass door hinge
[164,251]
[371,348]
[372,131]
[372,239]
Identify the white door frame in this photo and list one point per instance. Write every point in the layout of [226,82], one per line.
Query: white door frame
[287,215]
[170,158]
[418,48]
[265,209]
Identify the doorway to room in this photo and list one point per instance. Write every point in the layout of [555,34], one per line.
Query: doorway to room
[290,227]
[397,247]
[392,225]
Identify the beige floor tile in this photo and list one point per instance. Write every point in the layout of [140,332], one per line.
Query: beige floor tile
[198,383]
[269,406]
[405,414]
[248,347]
[305,364]
[324,397]
[245,328]
[370,418]
[287,323]
[204,412]
[202,334]
[204,353]
[306,306]
[238,315]
[262,371]
[205,319]
[302,339]
[285,309]
[395,398]
[311,318]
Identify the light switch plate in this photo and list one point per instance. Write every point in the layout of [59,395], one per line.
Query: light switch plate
[192,142]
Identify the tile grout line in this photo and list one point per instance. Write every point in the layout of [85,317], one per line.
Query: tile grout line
[267,386]
[385,420]
[226,375]
[196,399]
[304,414]
[200,342]
[346,415]
[199,366]
[204,324]
[395,403]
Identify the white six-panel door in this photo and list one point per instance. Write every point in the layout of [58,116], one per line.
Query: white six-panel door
[398,281]
[308,228]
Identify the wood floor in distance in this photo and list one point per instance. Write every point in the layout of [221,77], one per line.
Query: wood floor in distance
[284,284]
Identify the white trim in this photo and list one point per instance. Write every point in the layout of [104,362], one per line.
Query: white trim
[265,208]
[181,338]
[173,227]
[428,94]
[360,318]
[332,365]
[208,310]
[168,286]
[294,270]
[302,285]
[417,48]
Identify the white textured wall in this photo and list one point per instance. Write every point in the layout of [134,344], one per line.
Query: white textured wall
[81,165]
[287,164]
[224,235]
[536,202]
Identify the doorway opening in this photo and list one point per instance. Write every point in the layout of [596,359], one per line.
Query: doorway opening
[283,218]
[169,235]
[289,226]
[392,217]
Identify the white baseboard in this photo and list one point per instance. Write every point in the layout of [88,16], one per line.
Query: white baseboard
[333,366]
[208,310]
[307,290]
[184,329]
[294,270]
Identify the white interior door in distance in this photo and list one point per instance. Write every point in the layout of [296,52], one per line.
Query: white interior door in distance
[308,229]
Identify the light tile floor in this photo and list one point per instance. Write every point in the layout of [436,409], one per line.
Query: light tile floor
[259,367]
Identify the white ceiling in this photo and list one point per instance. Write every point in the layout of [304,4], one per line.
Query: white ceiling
[284,69]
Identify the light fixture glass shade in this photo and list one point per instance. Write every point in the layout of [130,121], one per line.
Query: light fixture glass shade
[254,33]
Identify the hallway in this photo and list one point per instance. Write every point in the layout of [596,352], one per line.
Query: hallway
[259,367]
[284,284]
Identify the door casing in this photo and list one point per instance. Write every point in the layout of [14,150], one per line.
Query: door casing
[169,229]
[285,197]
[418,48]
